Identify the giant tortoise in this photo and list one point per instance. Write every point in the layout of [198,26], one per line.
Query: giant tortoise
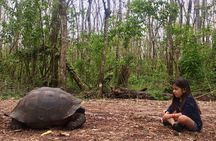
[47,107]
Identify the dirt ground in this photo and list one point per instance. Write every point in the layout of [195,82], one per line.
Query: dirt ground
[115,120]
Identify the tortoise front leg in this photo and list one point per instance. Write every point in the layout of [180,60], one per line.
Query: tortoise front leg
[76,121]
[14,124]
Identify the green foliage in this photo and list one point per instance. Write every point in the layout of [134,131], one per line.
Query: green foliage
[87,64]
[159,10]
[145,8]
[191,62]
[127,30]
[209,55]
[169,12]
[155,80]
[11,91]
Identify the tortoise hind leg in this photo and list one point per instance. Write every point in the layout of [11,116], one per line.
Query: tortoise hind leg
[14,124]
[76,121]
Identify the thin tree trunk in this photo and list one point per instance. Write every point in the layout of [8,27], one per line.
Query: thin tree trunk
[0,31]
[170,53]
[151,38]
[177,49]
[64,44]
[170,49]
[118,43]
[197,21]
[83,28]
[98,17]
[45,67]
[89,16]
[77,18]
[15,39]
[120,11]
[203,21]
[181,5]
[14,44]
[82,16]
[124,72]
[106,44]
[54,32]
[188,14]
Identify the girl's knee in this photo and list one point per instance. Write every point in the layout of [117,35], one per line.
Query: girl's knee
[182,119]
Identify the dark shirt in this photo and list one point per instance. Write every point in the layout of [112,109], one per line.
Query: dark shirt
[189,108]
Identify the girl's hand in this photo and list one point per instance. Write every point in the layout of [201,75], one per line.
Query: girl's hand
[166,116]
[176,115]
[164,111]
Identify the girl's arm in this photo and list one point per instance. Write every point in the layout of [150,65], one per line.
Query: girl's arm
[167,115]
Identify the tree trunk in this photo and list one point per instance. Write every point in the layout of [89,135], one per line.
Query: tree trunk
[76,78]
[151,39]
[170,48]
[64,44]
[120,11]
[54,32]
[124,76]
[181,5]
[82,15]
[170,53]
[204,22]
[189,12]
[118,43]
[89,16]
[124,72]
[98,18]
[197,21]
[106,44]
[177,49]
[0,30]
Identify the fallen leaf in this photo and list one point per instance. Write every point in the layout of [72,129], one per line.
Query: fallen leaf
[18,130]
[46,133]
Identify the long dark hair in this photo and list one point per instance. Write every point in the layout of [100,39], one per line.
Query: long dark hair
[184,85]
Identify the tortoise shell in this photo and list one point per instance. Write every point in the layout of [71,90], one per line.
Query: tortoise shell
[45,105]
